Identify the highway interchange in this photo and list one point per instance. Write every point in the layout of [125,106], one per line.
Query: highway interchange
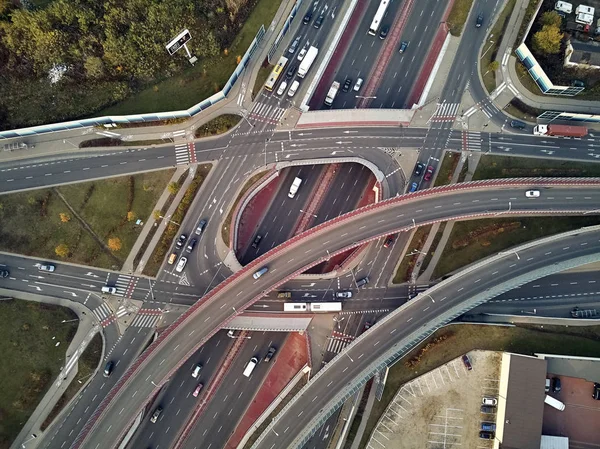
[235,157]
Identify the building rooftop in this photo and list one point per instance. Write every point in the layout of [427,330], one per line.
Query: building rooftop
[585,53]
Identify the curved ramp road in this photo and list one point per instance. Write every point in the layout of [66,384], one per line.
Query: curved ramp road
[469,200]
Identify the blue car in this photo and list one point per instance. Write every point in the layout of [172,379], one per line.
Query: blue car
[413,187]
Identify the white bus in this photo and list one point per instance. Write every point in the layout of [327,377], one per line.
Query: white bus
[274,76]
[294,307]
[378,17]
[326,307]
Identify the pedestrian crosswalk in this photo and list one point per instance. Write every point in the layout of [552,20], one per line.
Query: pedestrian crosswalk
[445,112]
[338,341]
[471,141]
[146,318]
[267,113]
[104,314]
[185,154]
[126,285]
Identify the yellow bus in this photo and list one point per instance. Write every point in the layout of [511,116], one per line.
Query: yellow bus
[274,76]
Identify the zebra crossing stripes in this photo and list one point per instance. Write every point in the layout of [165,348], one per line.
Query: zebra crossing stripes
[126,285]
[121,311]
[338,341]
[267,113]
[357,312]
[185,153]
[471,141]
[445,112]
[104,314]
[146,318]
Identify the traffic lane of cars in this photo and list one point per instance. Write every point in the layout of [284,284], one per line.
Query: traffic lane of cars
[177,399]
[236,392]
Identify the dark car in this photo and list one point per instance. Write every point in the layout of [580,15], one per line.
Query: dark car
[4,273]
[319,21]
[518,124]
[270,354]
[256,241]
[307,18]
[479,20]
[429,173]
[363,281]
[156,414]
[596,392]
[419,168]
[384,32]
[467,362]
[291,71]
[181,241]
[556,385]
[200,228]
[577,83]
[413,187]
[347,84]
[389,241]
[403,46]
[488,426]
[191,246]
[485,435]
[108,368]
[368,324]
[487,409]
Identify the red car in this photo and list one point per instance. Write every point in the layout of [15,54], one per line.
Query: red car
[467,362]
[428,173]
[389,241]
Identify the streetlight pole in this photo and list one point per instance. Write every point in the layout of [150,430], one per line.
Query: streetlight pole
[365,98]
[178,224]
[69,321]
[308,213]
[33,437]
[70,143]
[85,377]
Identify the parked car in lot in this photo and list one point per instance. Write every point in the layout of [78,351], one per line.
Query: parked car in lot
[260,272]
[487,409]
[270,354]
[556,385]
[403,47]
[347,84]
[488,426]
[413,187]
[181,264]
[282,88]
[256,241]
[489,401]
[181,241]
[596,391]
[467,362]
[200,228]
[429,173]
[419,168]
[343,294]
[484,435]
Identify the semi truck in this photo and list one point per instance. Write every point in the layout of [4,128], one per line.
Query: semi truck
[560,130]
[554,403]
[333,90]
[307,62]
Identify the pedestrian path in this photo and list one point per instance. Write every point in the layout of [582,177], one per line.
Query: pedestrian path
[267,113]
[445,112]
[338,341]
[185,153]
[146,318]
[104,314]
[126,285]
[471,141]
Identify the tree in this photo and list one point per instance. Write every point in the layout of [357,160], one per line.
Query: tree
[551,18]
[64,217]
[114,244]
[31,200]
[494,65]
[547,40]
[62,250]
[173,187]
[130,216]
[94,67]
[156,215]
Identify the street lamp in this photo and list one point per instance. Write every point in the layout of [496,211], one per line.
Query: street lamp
[307,213]
[415,251]
[86,377]
[70,143]
[365,98]
[33,437]
[178,224]
[69,321]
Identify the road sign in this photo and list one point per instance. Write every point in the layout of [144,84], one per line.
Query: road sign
[178,41]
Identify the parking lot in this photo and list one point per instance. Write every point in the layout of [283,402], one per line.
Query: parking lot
[441,409]
[581,417]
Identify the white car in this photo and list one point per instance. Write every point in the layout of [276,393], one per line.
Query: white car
[489,401]
[532,194]
[358,84]
[181,264]
[343,295]
[293,88]
[260,272]
[302,54]
[282,88]
[46,267]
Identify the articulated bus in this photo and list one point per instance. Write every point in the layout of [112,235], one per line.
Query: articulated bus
[313,306]
[274,76]
[378,17]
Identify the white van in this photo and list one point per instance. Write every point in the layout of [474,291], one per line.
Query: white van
[565,7]
[250,366]
[293,88]
[294,187]
[109,290]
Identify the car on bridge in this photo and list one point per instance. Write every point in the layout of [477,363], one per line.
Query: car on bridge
[532,194]
[260,272]
[156,414]
[403,46]
[413,187]
[197,390]
[429,173]
[270,354]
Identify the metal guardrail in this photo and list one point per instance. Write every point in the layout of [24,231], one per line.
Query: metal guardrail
[150,117]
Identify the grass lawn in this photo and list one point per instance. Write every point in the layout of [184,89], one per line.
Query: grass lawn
[492,44]
[197,83]
[30,358]
[408,262]
[30,222]
[87,364]
[449,164]
[458,16]
[166,240]
[463,338]
[520,110]
[261,79]
[218,125]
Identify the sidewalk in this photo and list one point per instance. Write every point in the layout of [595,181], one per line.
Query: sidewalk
[163,225]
